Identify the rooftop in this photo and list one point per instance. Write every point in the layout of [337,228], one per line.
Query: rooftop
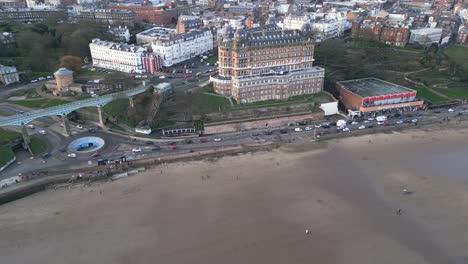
[63,72]
[117,46]
[368,87]
[168,34]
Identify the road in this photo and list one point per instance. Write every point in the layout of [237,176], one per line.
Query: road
[5,92]
[117,146]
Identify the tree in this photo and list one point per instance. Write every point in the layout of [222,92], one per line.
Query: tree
[118,80]
[33,48]
[71,62]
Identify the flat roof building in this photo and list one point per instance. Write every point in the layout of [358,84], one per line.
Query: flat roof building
[372,94]
[175,48]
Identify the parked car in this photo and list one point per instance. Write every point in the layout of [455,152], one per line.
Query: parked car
[95,154]
[149,142]
[46,155]
[298,129]
[308,128]
[71,155]
[173,147]
[361,127]
[42,132]
[203,140]
[31,126]
[217,139]
[79,126]
[414,120]
[156,148]
[92,130]
[283,131]
[346,129]
[451,110]
[136,150]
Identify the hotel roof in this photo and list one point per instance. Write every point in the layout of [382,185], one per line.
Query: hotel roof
[369,87]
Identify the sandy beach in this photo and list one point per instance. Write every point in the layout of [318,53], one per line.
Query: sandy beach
[256,208]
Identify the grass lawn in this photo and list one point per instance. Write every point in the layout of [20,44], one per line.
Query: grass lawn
[164,124]
[459,54]
[37,146]
[35,75]
[212,59]
[87,74]
[455,93]
[208,103]
[29,93]
[307,98]
[7,135]
[118,109]
[424,93]
[6,154]
[39,103]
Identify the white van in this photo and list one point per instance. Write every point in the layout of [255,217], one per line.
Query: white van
[381,118]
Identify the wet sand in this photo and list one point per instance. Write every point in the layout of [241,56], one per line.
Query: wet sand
[255,208]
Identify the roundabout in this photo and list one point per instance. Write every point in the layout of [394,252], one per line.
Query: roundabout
[86,144]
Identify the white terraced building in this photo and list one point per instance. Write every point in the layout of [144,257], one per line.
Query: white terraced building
[174,48]
[296,21]
[116,56]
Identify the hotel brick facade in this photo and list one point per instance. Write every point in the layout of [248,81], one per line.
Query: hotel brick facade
[266,63]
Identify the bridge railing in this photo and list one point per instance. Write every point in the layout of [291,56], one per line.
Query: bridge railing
[27,117]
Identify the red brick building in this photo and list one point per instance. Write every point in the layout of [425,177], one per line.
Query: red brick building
[151,62]
[151,14]
[379,31]
[462,37]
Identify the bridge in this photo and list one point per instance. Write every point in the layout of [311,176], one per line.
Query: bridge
[64,109]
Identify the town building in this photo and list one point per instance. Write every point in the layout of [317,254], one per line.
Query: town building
[64,84]
[120,33]
[462,37]
[328,28]
[151,62]
[175,48]
[8,75]
[294,21]
[4,4]
[7,38]
[163,14]
[371,95]
[188,23]
[425,36]
[22,15]
[116,56]
[63,78]
[42,4]
[369,29]
[108,16]
[266,63]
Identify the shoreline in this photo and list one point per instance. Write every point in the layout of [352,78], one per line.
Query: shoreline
[256,206]
[304,145]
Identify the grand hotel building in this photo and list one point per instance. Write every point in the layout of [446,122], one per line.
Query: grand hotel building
[266,63]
